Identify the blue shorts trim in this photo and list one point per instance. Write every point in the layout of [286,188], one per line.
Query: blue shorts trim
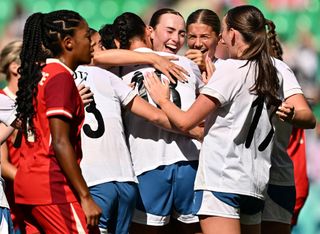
[248,205]
[284,196]
[117,201]
[168,188]
[6,218]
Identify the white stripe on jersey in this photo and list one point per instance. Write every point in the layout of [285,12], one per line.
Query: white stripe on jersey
[59,112]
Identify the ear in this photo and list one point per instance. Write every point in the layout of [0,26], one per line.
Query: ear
[117,43]
[232,35]
[67,43]
[147,31]
[151,30]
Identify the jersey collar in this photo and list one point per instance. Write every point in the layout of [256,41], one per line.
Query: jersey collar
[53,60]
[10,94]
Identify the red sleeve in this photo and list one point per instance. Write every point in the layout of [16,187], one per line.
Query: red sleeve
[60,96]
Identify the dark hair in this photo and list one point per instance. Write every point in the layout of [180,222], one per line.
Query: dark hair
[154,21]
[250,22]
[41,39]
[92,31]
[126,27]
[107,37]
[207,17]
[274,45]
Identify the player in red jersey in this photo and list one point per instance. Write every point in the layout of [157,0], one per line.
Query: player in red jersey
[49,184]
[297,152]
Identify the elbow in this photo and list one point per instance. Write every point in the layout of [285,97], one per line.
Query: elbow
[58,145]
[184,126]
[313,123]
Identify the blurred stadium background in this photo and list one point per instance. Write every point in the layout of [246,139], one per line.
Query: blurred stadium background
[297,23]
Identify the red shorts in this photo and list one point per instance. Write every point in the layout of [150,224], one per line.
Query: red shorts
[56,218]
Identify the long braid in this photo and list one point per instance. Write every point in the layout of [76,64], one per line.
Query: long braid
[274,45]
[123,33]
[30,70]
[126,27]
[41,39]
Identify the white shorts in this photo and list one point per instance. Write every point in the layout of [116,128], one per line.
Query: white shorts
[207,203]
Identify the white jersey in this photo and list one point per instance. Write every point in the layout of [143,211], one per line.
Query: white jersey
[235,153]
[7,116]
[7,110]
[151,146]
[105,154]
[281,172]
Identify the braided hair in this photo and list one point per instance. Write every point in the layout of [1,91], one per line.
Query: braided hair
[251,24]
[107,37]
[41,39]
[274,45]
[126,27]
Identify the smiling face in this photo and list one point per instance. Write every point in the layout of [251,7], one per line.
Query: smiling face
[202,37]
[169,34]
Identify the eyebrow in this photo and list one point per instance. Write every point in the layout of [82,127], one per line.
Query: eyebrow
[174,29]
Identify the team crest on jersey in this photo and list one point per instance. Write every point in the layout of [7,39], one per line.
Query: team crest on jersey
[45,75]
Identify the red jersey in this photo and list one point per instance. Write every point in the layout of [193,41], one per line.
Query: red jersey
[297,153]
[39,179]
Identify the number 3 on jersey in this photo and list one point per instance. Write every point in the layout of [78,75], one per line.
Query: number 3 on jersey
[92,108]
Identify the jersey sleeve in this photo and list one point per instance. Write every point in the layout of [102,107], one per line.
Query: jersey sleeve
[122,90]
[222,85]
[7,110]
[290,83]
[60,96]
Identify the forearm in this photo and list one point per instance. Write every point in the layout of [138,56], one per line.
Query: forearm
[8,171]
[116,57]
[5,132]
[303,119]
[176,116]
[66,158]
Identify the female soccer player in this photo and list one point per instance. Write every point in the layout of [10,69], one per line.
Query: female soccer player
[49,182]
[10,150]
[7,118]
[281,195]
[203,30]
